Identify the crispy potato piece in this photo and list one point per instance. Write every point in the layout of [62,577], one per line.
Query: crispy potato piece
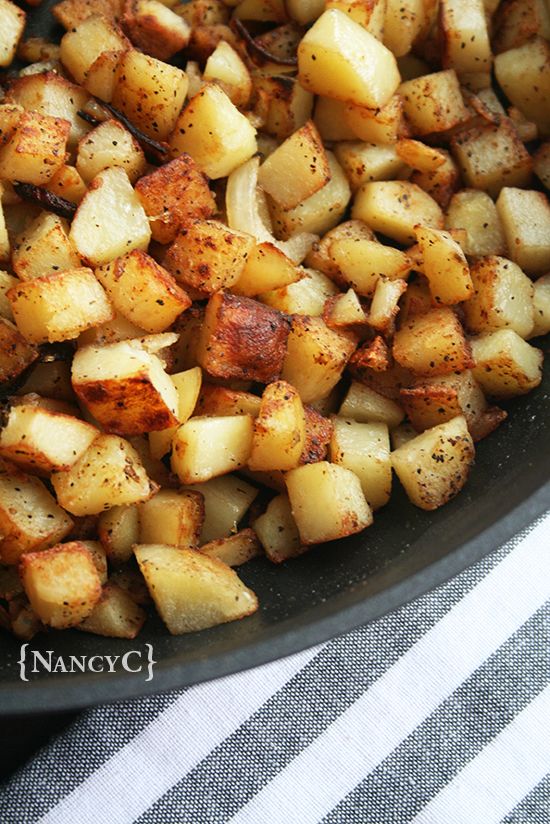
[383,125]
[86,41]
[288,105]
[108,145]
[13,24]
[279,435]
[225,67]
[505,364]
[109,474]
[213,131]
[110,220]
[361,262]
[226,501]
[6,283]
[68,184]
[491,157]
[72,12]
[445,266]
[204,448]
[318,434]
[61,583]
[465,39]
[98,556]
[433,102]
[219,400]
[395,207]
[364,162]
[243,339]
[154,28]
[344,311]
[44,248]
[319,257]
[541,302]
[364,405]
[35,151]
[525,217]
[373,355]
[188,385]
[115,615]
[475,212]
[338,58]
[118,530]
[364,448]
[30,519]
[441,183]
[434,466]
[266,268]
[503,298]
[368,13]
[433,344]
[100,77]
[307,296]
[173,517]
[117,329]
[327,502]
[278,532]
[16,353]
[192,591]
[316,357]
[236,549]
[542,164]
[174,194]
[384,307]
[524,76]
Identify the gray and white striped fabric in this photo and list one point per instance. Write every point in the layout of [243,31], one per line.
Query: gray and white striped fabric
[436,714]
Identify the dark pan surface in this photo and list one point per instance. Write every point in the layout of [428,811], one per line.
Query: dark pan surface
[329,590]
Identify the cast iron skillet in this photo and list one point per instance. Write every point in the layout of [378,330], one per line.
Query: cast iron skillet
[329,590]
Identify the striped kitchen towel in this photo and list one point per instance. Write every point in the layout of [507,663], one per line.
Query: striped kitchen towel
[436,714]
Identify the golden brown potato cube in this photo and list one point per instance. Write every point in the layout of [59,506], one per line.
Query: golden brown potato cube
[16,353]
[109,473]
[236,549]
[279,430]
[368,13]
[68,184]
[281,175]
[30,518]
[419,155]
[505,364]
[316,357]
[142,291]
[278,532]
[174,194]
[305,297]
[385,304]
[192,591]
[118,531]
[172,517]
[442,182]
[266,268]
[475,212]
[44,440]
[110,220]
[327,502]
[35,150]
[117,329]
[524,76]
[115,615]
[365,405]
[318,434]
[289,105]
[125,387]
[213,131]
[202,12]
[61,583]
[434,466]
[516,21]
[433,344]
[344,311]
[503,298]
[188,385]
[226,501]
[149,92]
[403,24]
[383,125]
[85,42]
[154,28]
[491,157]
[203,448]
[541,302]
[44,248]
[338,58]
[445,266]
[13,23]
[109,144]
[433,102]
[395,207]
[465,39]
[242,339]
[364,448]
[329,118]
[525,217]
[219,400]
[319,256]
[364,162]
[208,256]
[225,67]
[100,77]
[361,263]
[6,282]
[373,355]
[59,307]
[72,12]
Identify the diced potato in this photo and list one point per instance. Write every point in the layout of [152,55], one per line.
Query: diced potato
[149,92]
[463,26]
[518,20]
[319,256]
[125,387]
[330,119]
[192,591]
[218,400]
[525,217]
[524,76]
[542,164]
[35,151]
[364,162]
[108,145]
[83,44]
[318,434]
[129,578]
[6,283]
[13,24]
[40,439]
[441,183]
[403,23]
[503,298]
[338,58]
[266,10]
[241,338]
[432,344]
[383,125]
[115,615]
[225,67]
[59,307]
[434,466]
[155,29]
[226,501]
[204,448]
[305,297]
[445,266]
[172,517]
[110,220]
[361,262]
[98,556]
[72,12]
[118,531]
[370,14]
[395,207]
[117,329]
[384,307]
[315,357]
[433,102]
[4,237]
[109,474]
[419,155]
[327,502]
[344,311]
[365,405]
[44,248]
[373,355]
[30,519]
[505,364]
[364,448]
[305,11]
[277,531]
[279,434]
[236,550]
[491,157]
[541,302]
[61,583]
[317,213]
[213,131]
[475,212]
[68,184]
[188,385]
[266,268]
[100,77]
[286,106]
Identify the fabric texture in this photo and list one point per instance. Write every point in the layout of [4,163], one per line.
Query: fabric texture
[438,713]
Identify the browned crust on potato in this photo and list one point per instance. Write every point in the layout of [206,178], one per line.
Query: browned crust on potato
[16,354]
[72,12]
[373,355]
[148,34]
[318,434]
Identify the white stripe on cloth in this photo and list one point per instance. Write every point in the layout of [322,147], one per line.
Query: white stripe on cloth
[132,779]
[406,694]
[504,772]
